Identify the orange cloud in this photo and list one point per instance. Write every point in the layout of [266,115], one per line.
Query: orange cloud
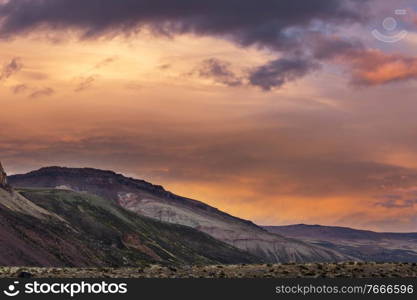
[374,67]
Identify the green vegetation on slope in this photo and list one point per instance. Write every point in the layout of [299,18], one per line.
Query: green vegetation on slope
[120,237]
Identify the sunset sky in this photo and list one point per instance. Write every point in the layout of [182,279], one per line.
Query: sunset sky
[278,111]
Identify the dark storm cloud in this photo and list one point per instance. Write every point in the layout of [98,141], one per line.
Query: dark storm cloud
[278,72]
[248,21]
[10,68]
[218,70]
[332,47]
[269,24]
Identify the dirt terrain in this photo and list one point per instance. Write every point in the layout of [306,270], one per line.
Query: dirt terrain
[347,270]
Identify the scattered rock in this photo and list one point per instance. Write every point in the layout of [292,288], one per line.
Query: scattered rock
[344,270]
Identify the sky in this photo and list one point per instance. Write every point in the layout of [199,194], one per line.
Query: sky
[281,112]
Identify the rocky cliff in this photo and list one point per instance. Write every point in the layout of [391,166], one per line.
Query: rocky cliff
[3,177]
[3,180]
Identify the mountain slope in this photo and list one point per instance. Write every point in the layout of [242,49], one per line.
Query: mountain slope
[153,201]
[362,244]
[65,228]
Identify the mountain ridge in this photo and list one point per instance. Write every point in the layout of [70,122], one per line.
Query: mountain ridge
[71,229]
[155,202]
[362,244]
[159,189]
[343,229]
[63,228]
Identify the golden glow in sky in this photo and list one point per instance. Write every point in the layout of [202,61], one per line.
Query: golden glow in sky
[277,138]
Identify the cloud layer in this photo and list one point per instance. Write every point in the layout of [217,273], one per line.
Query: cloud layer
[294,29]
[277,25]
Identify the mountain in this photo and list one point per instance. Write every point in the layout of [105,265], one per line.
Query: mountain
[361,244]
[50,227]
[153,201]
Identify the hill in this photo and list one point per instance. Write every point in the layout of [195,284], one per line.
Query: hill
[64,228]
[362,244]
[153,201]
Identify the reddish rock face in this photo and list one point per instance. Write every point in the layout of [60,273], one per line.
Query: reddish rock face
[3,177]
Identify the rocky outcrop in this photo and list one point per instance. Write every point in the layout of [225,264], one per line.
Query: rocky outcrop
[3,178]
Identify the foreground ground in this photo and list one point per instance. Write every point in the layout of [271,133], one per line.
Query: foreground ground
[353,269]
